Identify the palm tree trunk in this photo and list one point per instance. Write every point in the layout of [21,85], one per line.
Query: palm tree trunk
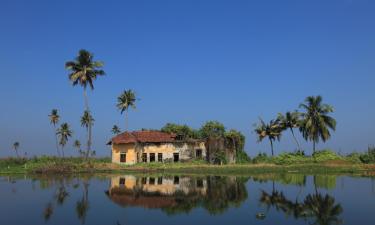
[314,146]
[89,127]
[57,142]
[17,153]
[62,150]
[295,139]
[88,138]
[126,120]
[271,146]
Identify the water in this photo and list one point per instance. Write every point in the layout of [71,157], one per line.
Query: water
[191,200]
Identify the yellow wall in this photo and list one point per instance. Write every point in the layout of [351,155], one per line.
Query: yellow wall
[131,156]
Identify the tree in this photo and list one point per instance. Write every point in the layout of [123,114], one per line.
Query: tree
[272,130]
[16,145]
[212,129]
[64,133]
[235,139]
[54,118]
[84,71]
[124,102]
[87,121]
[115,130]
[183,132]
[316,123]
[290,121]
[77,145]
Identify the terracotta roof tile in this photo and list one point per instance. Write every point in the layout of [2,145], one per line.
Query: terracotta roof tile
[143,137]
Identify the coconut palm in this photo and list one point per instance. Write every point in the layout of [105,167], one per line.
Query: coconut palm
[64,133]
[316,123]
[290,121]
[54,118]
[323,209]
[84,71]
[87,121]
[115,130]
[124,102]
[272,130]
[77,145]
[16,145]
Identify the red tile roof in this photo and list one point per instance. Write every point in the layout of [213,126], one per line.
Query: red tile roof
[143,137]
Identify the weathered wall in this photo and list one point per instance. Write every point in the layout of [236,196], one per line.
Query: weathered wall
[187,151]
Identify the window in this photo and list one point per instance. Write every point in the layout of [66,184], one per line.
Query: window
[122,157]
[176,180]
[144,180]
[122,181]
[176,157]
[160,157]
[160,180]
[198,153]
[152,157]
[144,157]
[151,181]
[199,183]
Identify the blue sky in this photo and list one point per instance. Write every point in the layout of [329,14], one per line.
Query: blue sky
[189,62]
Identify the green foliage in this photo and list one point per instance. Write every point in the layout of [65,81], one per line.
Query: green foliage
[354,157]
[235,139]
[291,158]
[220,158]
[262,158]
[183,132]
[369,156]
[242,157]
[325,155]
[212,129]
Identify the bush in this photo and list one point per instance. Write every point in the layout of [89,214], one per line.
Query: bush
[354,157]
[242,157]
[369,156]
[325,155]
[291,158]
[262,158]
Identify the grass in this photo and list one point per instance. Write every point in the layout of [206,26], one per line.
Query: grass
[281,164]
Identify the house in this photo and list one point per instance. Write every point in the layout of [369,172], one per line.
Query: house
[155,146]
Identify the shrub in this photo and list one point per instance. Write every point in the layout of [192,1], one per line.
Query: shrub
[290,158]
[354,157]
[369,156]
[325,155]
[242,157]
[262,158]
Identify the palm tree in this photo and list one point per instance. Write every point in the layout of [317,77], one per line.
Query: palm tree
[323,208]
[54,118]
[84,71]
[64,133]
[124,102]
[290,121]
[16,145]
[87,121]
[272,130]
[77,145]
[115,130]
[316,123]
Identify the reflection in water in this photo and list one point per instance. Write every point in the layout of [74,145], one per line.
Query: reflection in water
[176,194]
[322,209]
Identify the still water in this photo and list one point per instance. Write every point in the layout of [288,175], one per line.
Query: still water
[153,199]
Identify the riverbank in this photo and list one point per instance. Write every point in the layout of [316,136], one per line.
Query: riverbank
[52,165]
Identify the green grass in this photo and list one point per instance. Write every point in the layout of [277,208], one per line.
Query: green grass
[324,163]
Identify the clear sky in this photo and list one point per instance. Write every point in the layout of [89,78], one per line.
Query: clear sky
[189,61]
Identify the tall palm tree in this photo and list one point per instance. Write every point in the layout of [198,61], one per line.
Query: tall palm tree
[77,145]
[272,130]
[16,145]
[115,130]
[84,71]
[87,121]
[64,133]
[290,121]
[124,102]
[54,118]
[316,123]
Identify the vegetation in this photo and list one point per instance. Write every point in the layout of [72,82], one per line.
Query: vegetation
[316,122]
[115,130]
[84,71]
[87,121]
[64,133]
[125,101]
[271,130]
[290,121]
[16,145]
[54,118]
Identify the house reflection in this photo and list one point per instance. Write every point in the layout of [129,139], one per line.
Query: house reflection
[177,194]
